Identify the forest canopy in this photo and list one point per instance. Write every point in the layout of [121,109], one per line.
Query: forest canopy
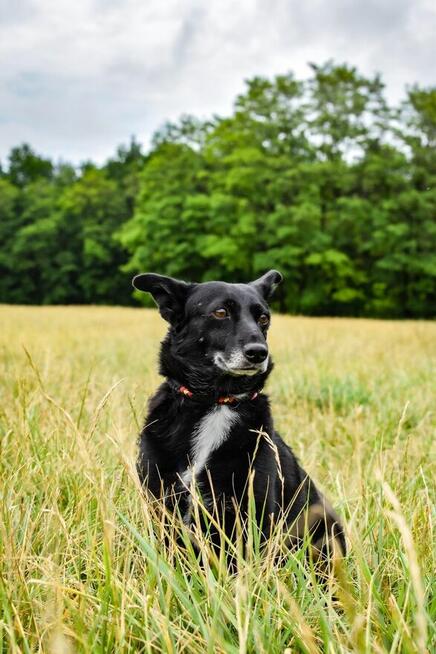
[320,178]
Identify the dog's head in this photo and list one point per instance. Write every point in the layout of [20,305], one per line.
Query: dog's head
[216,329]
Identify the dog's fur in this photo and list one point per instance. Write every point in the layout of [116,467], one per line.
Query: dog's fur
[216,347]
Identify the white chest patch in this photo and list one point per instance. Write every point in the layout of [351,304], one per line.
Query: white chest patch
[209,434]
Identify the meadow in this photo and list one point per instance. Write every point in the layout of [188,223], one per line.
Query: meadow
[83,565]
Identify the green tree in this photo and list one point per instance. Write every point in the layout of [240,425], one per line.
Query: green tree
[171,214]
[25,166]
[91,212]
[37,248]
[345,110]
[10,222]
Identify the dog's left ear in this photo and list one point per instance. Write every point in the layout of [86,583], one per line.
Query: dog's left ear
[169,294]
[267,284]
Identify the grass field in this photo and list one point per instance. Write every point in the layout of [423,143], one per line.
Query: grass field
[82,563]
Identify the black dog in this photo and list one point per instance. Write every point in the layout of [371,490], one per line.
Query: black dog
[208,420]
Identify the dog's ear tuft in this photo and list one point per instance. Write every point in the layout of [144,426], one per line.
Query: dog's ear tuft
[169,294]
[267,284]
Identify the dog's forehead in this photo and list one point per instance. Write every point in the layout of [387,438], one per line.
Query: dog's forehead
[207,292]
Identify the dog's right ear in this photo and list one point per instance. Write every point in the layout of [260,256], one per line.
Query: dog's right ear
[169,294]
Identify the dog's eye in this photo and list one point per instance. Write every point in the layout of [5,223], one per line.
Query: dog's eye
[220,313]
[263,320]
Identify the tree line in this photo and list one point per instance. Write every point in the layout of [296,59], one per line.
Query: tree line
[320,178]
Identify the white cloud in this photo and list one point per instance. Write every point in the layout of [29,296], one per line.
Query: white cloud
[78,78]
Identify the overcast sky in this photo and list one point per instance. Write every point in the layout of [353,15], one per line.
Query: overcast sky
[78,77]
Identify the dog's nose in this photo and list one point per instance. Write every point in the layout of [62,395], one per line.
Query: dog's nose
[256,352]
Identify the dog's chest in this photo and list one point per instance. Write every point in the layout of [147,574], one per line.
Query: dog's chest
[209,433]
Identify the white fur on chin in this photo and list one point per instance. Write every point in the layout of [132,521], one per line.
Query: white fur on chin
[234,365]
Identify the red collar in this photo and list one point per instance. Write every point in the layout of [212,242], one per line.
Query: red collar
[227,399]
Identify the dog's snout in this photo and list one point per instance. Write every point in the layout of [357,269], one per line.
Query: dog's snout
[255,352]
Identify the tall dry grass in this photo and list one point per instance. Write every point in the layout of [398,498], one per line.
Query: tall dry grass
[83,565]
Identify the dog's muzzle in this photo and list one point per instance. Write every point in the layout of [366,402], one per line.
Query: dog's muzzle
[241,363]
